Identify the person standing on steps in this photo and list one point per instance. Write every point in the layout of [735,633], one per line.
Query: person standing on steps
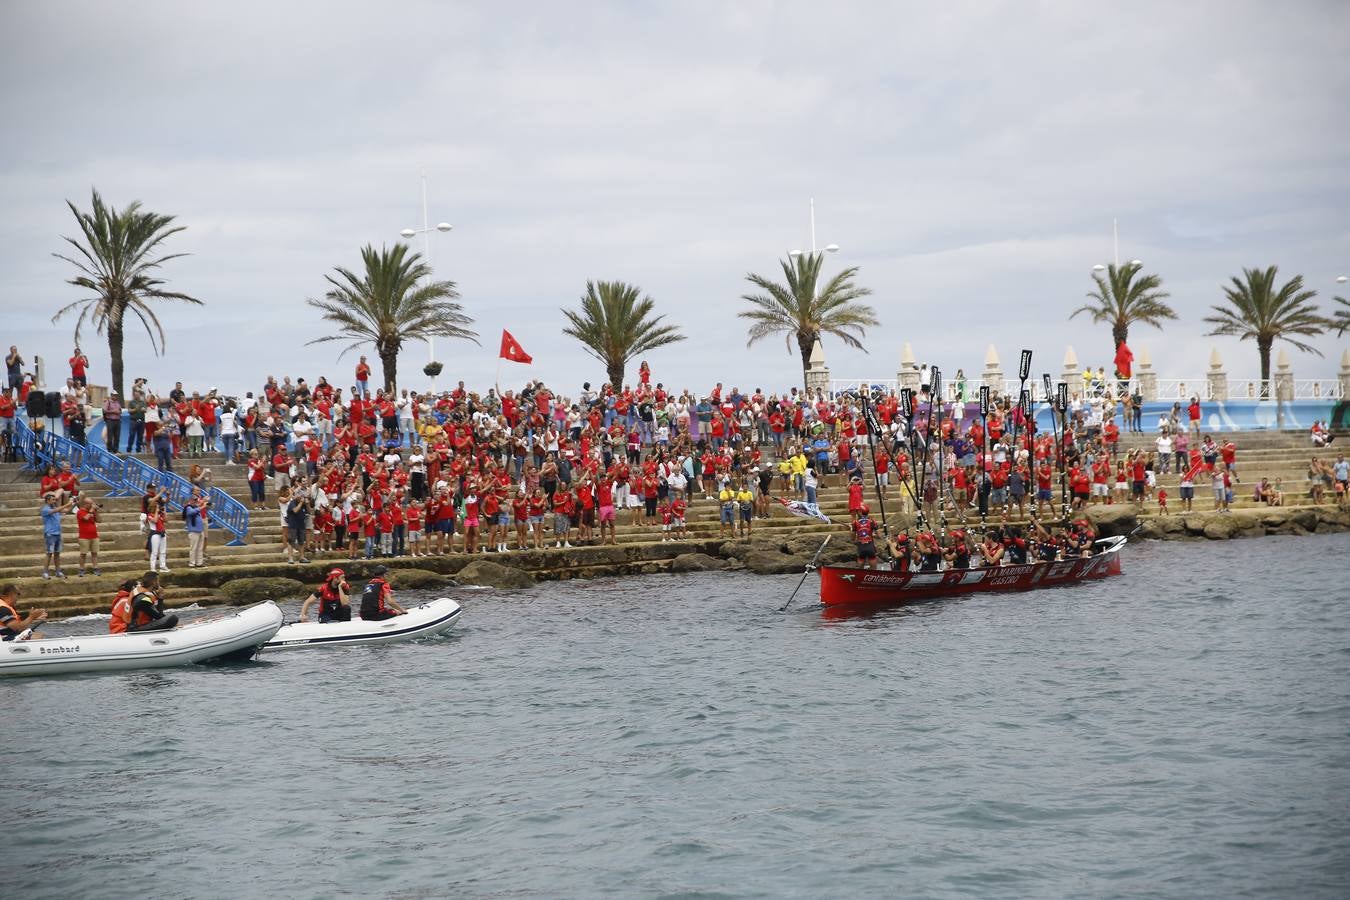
[194,523]
[158,525]
[112,423]
[51,513]
[86,519]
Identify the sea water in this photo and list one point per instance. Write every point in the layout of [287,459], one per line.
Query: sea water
[1181,731]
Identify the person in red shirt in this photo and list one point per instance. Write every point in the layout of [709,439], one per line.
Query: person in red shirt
[520,517]
[537,507]
[492,507]
[564,504]
[471,520]
[585,510]
[1229,454]
[678,509]
[79,365]
[864,537]
[363,378]
[86,519]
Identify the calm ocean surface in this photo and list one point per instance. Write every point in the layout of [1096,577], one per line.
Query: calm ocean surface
[1182,731]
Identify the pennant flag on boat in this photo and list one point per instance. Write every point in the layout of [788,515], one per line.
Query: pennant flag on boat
[804,509]
[512,350]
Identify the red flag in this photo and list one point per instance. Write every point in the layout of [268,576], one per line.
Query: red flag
[512,350]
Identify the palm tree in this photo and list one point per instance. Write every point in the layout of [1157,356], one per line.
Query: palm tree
[615,324]
[1122,299]
[1260,311]
[1341,321]
[117,262]
[386,306]
[798,307]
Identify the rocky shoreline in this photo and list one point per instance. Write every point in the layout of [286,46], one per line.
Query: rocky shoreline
[762,555]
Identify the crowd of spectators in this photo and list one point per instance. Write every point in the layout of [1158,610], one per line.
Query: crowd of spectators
[365,472]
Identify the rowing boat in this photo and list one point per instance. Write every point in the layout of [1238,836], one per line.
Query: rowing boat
[234,635]
[848,586]
[433,617]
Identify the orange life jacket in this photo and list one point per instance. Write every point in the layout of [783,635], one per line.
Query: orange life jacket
[139,617]
[121,613]
[13,623]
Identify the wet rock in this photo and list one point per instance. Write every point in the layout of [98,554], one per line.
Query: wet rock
[409,579]
[771,562]
[696,562]
[486,573]
[1221,527]
[256,590]
[1114,520]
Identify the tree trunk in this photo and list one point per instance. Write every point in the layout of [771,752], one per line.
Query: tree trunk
[1120,333]
[806,341]
[389,362]
[115,338]
[1263,347]
[614,371]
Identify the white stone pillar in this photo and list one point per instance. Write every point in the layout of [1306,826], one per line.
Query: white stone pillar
[993,371]
[1216,377]
[1284,378]
[817,375]
[1148,379]
[1345,374]
[1070,375]
[908,376]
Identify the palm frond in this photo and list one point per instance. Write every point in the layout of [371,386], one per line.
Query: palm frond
[800,307]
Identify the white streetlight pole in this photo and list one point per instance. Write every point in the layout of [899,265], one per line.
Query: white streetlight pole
[1115,245]
[828,248]
[426,231]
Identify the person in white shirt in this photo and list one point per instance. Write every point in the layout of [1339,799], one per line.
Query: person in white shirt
[229,433]
[1164,452]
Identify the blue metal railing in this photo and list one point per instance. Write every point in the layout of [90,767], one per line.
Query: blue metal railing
[25,443]
[173,488]
[228,514]
[105,467]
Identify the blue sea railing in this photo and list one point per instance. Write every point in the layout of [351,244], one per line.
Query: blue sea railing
[25,444]
[226,513]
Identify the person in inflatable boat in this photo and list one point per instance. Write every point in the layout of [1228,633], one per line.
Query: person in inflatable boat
[147,606]
[333,598]
[377,600]
[14,626]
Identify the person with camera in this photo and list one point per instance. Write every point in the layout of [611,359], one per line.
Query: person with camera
[333,598]
[194,523]
[86,519]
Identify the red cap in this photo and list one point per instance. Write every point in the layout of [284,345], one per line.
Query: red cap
[337,572]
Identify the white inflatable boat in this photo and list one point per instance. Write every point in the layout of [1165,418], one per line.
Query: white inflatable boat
[236,634]
[433,617]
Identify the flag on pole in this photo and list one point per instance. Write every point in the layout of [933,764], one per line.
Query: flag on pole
[804,509]
[512,350]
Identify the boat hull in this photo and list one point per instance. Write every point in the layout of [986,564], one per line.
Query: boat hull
[234,635]
[846,586]
[434,617]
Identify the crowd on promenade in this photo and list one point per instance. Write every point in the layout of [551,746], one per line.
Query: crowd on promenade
[359,471]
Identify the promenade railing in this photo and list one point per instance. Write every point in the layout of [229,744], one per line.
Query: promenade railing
[228,514]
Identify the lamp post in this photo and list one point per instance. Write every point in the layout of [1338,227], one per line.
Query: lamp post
[828,248]
[426,231]
[1115,243]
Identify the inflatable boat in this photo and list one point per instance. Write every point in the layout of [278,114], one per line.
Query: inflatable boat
[234,635]
[434,617]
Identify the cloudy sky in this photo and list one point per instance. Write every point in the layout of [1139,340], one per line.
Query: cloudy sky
[968,157]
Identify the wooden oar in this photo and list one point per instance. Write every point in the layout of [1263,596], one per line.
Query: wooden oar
[810,567]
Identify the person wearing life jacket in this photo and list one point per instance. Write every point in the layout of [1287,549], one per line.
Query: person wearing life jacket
[333,598]
[12,625]
[121,608]
[864,536]
[377,600]
[958,554]
[930,552]
[1015,546]
[147,606]
[900,552]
